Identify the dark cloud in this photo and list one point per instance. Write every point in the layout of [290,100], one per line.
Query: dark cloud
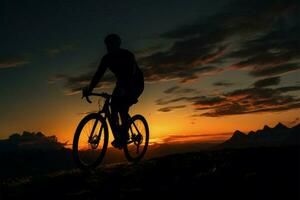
[223,83]
[203,103]
[74,84]
[227,109]
[265,34]
[275,51]
[194,74]
[242,101]
[194,46]
[157,72]
[234,109]
[12,62]
[148,50]
[254,100]
[178,90]
[274,70]
[267,82]
[239,16]
[165,101]
[288,89]
[171,89]
[170,108]
[261,37]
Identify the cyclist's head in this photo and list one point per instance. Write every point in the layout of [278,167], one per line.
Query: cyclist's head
[112,42]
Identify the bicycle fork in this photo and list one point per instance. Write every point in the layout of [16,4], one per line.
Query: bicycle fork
[93,130]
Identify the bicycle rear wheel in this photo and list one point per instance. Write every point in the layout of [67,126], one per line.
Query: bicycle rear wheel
[90,141]
[139,138]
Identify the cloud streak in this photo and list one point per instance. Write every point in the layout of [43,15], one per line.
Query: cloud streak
[170,108]
[178,90]
[242,101]
[223,84]
[12,62]
[74,84]
[252,100]
[267,82]
[195,137]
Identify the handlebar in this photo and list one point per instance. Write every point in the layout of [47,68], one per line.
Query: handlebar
[104,95]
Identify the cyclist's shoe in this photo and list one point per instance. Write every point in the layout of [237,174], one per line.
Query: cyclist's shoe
[117,143]
[120,142]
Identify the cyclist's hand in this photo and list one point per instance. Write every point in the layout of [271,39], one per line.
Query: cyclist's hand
[86,92]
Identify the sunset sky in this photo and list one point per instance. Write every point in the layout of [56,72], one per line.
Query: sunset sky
[211,67]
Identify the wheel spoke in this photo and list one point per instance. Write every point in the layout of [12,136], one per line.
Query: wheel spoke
[139,136]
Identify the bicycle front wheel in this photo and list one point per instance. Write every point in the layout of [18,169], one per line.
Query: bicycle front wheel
[139,138]
[90,141]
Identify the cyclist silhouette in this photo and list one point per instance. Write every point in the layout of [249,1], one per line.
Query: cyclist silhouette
[129,84]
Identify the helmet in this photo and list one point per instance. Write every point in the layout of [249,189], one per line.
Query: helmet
[112,40]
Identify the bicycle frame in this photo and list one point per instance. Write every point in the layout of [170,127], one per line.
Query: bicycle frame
[106,113]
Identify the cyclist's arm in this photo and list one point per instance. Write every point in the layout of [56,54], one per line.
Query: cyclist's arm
[97,76]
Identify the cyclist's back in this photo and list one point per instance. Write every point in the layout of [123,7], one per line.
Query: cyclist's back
[122,64]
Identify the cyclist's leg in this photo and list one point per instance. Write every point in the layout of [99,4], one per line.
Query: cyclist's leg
[114,115]
[129,99]
[120,104]
[120,130]
[124,109]
[115,110]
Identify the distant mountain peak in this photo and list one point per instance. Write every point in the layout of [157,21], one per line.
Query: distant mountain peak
[251,133]
[280,135]
[266,128]
[280,126]
[238,134]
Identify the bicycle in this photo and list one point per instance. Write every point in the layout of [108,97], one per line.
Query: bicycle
[89,152]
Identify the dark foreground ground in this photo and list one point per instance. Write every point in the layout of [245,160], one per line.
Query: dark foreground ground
[257,173]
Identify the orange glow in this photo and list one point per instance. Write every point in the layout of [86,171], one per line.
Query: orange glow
[62,119]
[177,126]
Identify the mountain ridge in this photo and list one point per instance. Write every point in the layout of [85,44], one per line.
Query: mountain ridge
[279,135]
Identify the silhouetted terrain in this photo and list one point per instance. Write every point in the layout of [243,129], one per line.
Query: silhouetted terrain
[254,173]
[280,135]
[261,165]
[30,141]
[31,154]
